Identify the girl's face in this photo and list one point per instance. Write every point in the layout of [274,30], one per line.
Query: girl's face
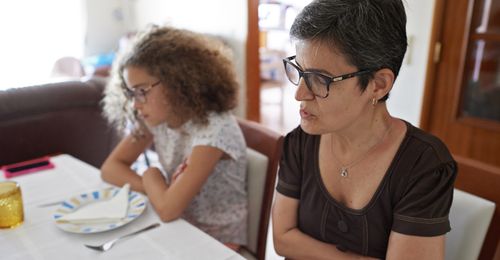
[149,97]
[345,103]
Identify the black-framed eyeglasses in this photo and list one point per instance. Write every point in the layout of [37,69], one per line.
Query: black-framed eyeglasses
[317,83]
[139,94]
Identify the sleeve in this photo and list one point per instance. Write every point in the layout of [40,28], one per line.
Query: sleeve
[223,133]
[290,173]
[424,207]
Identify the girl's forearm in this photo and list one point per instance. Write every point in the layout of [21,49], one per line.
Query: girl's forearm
[119,174]
[157,190]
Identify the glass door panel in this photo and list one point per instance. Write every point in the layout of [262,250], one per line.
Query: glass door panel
[481,90]
[486,17]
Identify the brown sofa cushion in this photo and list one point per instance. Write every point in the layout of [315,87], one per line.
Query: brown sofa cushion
[64,117]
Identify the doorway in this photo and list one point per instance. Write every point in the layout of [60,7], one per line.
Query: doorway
[278,108]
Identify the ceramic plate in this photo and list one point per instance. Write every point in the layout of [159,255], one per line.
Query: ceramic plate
[136,205]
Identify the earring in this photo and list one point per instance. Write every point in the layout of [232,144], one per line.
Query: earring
[374,101]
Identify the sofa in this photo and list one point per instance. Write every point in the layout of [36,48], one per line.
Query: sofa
[56,118]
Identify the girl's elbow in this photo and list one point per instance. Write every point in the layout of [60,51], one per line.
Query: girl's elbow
[168,217]
[105,172]
[168,214]
[108,173]
[108,170]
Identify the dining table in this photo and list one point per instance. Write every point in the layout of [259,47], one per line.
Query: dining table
[40,238]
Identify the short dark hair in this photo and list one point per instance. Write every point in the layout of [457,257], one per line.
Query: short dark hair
[371,34]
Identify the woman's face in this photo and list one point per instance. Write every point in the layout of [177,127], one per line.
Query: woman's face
[345,103]
[149,96]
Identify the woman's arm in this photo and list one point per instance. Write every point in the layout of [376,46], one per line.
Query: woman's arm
[116,169]
[292,243]
[415,247]
[170,201]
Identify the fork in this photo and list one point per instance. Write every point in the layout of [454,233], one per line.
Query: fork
[108,245]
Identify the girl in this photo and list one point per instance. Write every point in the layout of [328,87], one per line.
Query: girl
[178,87]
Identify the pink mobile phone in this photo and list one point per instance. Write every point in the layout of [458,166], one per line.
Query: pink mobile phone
[31,166]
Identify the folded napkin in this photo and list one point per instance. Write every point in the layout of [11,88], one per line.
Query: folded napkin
[102,211]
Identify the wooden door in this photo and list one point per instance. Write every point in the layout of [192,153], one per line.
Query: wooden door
[462,98]
[252,63]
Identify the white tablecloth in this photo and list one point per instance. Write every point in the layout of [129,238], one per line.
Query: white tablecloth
[39,238]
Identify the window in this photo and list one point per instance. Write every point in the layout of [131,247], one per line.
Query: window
[34,35]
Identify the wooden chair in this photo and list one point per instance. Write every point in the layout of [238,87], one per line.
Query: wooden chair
[263,157]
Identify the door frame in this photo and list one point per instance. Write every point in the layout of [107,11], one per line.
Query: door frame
[474,177]
[432,64]
[253,63]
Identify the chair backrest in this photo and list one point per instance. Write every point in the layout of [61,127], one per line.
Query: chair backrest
[470,217]
[264,153]
[257,176]
[63,117]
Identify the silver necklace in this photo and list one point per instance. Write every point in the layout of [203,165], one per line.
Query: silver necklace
[344,172]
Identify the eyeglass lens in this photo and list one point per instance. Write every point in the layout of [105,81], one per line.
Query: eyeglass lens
[139,95]
[292,73]
[314,82]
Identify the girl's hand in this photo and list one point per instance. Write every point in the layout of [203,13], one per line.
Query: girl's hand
[179,170]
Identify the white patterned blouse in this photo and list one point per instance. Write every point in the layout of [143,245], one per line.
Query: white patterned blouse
[220,208]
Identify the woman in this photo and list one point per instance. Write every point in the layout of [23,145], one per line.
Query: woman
[178,87]
[355,182]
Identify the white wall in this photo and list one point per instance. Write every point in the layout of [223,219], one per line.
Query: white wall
[34,34]
[407,95]
[225,18]
[106,21]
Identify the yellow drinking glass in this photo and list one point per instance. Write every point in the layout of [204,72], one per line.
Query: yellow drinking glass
[11,205]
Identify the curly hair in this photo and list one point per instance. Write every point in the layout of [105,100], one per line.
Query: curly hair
[196,70]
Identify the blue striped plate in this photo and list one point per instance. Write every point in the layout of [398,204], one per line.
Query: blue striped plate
[136,205]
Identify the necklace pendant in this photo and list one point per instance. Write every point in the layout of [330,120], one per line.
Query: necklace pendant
[343,172]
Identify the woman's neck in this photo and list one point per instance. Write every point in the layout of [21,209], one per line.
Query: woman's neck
[362,134]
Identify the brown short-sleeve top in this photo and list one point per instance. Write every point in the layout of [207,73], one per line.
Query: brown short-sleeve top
[414,197]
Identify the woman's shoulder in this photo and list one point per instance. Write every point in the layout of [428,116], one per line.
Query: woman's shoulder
[300,146]
[424,142]
[423,162]
[423,155]
[299,137]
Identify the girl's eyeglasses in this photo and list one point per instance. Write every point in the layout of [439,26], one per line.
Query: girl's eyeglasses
[139,94]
